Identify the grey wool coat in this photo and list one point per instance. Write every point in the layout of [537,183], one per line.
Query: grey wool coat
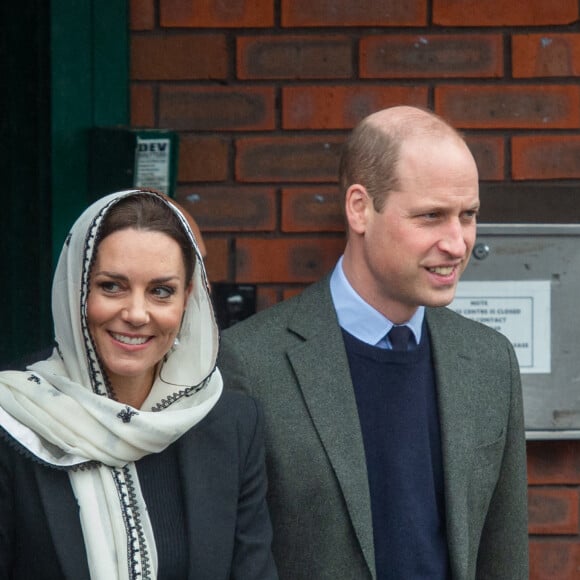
[292,359]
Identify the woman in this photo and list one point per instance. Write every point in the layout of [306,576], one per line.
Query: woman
[120,457]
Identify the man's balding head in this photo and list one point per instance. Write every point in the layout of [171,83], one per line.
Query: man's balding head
[372,151]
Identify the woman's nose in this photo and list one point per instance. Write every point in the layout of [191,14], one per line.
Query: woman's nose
[135,311]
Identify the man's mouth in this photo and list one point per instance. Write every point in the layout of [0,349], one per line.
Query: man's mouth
[133,340]
[442,270]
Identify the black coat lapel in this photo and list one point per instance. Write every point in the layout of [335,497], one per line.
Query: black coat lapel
[62,514]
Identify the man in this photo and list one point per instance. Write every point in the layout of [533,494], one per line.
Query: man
[389,460]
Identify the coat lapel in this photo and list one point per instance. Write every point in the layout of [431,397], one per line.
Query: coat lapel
[61,511]
[456,373]
[189,467]
[206,461]
[323,375]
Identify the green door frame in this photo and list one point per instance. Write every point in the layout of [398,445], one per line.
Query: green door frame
[25,259]
[65,64]
[89,88]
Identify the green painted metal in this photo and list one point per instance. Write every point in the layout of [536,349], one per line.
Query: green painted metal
[24,165]
[89,56]
[111,63]
[64,67]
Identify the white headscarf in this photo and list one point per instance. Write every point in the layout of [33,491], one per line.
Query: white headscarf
[60,410]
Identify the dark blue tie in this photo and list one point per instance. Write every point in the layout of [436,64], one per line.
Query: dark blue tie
[400,337]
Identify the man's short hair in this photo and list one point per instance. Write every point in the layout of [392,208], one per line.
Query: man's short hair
[371,153]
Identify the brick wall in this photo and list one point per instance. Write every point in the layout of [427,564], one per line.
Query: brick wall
[263,93]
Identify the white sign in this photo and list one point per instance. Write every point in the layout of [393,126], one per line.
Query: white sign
[519,310]
[152,164]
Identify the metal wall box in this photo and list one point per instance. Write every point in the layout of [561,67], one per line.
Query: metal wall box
[524,280]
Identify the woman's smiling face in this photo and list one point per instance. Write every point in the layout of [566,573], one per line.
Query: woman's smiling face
[138,293]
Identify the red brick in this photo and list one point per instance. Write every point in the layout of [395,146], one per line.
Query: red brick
[142,105]
[285,260]
[216,108]
[342,107]
[504,12]
[429,56]
[504,107]
[554,560]
[179,57]
[294,57]
[312,209]
[553,511]
[203,159]
[263,159]
[233,208]
[360,13]
[216,13]
[489,154]
[546,55]
[141,15]
[553,462]
[218,258]
[549,157]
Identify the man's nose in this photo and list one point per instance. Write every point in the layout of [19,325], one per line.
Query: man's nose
[453,240]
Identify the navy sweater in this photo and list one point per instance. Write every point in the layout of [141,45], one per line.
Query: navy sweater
[397,405]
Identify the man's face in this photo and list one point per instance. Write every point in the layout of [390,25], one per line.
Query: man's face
[416,248]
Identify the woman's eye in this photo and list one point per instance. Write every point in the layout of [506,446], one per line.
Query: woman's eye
[163,291]
[109,286]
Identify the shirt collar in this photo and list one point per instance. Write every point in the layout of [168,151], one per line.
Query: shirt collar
[359,318]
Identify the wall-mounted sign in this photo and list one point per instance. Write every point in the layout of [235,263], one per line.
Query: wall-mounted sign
[153,163]
[524,280]
[518,309]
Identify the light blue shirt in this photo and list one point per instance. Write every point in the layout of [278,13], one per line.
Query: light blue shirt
[360,319]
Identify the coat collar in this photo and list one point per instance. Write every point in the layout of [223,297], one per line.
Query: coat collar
[321,366]
[65,528]
[61,508]
[457,372]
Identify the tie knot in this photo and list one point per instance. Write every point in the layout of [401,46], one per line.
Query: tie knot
[400,337]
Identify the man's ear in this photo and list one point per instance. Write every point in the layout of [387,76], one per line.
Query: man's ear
[357,204]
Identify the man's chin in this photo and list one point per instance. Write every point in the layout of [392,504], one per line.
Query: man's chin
[442,298]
